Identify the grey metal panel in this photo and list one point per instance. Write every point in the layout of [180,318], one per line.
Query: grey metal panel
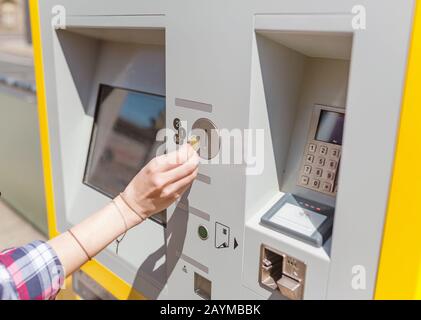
[108,8]
[45,13]
[210,63]
[373,108]
[120,22]
[21,179]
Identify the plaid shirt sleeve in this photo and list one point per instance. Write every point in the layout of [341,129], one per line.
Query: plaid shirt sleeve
[31,272]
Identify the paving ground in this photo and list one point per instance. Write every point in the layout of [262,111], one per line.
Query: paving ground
[14,230]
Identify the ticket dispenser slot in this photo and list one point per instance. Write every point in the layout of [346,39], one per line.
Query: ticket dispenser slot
[283,273]
[202,286]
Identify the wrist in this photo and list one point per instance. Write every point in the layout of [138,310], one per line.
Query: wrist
[132,218]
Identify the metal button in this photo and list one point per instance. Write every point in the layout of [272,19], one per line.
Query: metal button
[315,184]
[177,138]
[203,233]
[305,180]
[335,153]
[312,148]
[176,123]
[323,150]
[332,164]
[321,161]
[327,187]
[330,175]
[182,133]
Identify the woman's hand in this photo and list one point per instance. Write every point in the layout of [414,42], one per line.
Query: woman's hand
[161,182]
[155,187]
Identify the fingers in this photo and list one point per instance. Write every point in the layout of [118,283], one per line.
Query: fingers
[173,159]
[186,169]
[176,189]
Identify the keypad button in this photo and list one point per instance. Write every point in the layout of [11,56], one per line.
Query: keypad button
[332,164]
[305,180]
[323,150]
[312,148]
[330,175]
[315,184]
[318,172]
[307,169]
[309,158]
[327,186]
[321,161]
[335,153]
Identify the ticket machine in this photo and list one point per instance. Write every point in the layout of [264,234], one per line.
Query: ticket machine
[319,93]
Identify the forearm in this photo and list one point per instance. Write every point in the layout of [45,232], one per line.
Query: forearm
[154,188]
[94,233]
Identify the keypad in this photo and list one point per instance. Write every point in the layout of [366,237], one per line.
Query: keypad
[318,172]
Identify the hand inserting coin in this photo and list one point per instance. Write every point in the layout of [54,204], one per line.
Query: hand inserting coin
[194,141]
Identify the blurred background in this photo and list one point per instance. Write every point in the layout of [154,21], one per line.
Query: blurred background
[22,204]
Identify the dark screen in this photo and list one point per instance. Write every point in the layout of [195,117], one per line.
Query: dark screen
[330,127]
[124,137]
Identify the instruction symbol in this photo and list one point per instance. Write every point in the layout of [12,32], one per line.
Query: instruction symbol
[222,236]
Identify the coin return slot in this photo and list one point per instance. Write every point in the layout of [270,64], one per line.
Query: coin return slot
[202,286]
[282,273]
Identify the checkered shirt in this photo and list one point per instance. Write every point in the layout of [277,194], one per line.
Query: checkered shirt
[31,272]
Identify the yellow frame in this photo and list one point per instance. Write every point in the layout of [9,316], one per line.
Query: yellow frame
[116,286]
[400,261]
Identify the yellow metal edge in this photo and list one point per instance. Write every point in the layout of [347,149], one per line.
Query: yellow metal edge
[400,259]
[116,286]
[112,283]
[67,292]
[42,116]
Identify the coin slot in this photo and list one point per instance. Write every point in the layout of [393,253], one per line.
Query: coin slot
[208,135]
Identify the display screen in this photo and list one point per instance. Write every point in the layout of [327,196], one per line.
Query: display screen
[330,127]
[123,137]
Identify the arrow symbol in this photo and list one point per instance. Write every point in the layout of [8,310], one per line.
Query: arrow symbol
[235,243]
